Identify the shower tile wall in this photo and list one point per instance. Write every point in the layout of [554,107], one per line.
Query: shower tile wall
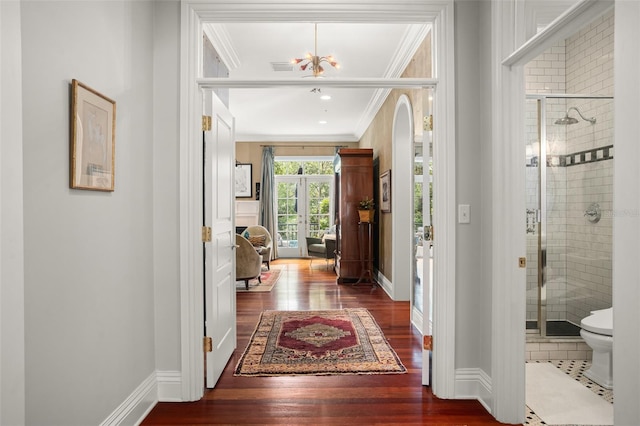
[579,252]
[590,70]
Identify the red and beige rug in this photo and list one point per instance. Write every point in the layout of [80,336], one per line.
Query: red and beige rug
[331,342]
[268,279]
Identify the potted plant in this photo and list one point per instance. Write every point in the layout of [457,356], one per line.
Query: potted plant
[366,209]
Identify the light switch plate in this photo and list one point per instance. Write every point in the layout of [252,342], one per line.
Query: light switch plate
[464,213]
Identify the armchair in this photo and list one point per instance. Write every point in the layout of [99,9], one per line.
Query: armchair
[248,261]
[260,237]
[319,248]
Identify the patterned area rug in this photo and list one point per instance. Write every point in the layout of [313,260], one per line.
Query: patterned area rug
[268,278]
[331,342]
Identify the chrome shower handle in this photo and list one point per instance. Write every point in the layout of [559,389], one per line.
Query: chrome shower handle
[593,213]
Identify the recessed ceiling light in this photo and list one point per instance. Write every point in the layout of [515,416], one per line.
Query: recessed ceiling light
[322,122]
[325,97]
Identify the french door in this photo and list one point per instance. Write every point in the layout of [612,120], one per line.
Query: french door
[304,209]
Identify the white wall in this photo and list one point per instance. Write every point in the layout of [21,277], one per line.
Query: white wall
[473,294]
[626,219]
[12,366]
[166,197]
[89,293]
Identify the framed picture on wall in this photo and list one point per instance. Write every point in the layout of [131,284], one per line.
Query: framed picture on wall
[93,137]
[385,192]
[244,181]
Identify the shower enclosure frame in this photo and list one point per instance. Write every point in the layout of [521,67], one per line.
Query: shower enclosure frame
[541,212]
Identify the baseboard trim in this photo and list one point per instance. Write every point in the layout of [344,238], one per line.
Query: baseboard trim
[384,283]
[473,383]
[136,407]
[169,386]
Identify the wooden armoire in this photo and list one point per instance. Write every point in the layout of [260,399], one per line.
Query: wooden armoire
[354,181]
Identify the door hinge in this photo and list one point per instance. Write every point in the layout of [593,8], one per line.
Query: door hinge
[427,123]
[207,344]
[206,234]
[522,262]
[206,123]
[427,343]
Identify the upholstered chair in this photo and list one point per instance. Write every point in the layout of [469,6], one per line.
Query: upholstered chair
[248,261]
[319,248]
[260,237]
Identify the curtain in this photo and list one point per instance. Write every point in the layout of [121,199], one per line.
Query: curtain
[268,198]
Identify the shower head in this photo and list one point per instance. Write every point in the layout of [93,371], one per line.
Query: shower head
[566,120]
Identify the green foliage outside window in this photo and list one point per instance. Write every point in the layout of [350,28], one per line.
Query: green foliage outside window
[291,168]
[418,194]
[318,198]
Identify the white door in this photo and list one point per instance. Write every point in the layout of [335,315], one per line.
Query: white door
[219,253]
[304,208]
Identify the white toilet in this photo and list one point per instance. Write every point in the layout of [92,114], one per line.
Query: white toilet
[597,332]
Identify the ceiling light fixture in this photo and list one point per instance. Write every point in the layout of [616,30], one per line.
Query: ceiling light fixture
[313,62]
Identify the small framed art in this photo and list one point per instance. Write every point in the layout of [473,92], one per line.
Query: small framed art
[385,192]
[244,180]
[93,136]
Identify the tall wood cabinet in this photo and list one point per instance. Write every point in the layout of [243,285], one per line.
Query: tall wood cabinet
[354,181]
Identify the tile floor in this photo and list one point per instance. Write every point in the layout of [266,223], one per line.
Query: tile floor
[545,349]
[575,369]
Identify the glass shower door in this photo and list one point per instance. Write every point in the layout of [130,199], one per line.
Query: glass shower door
[568,194]
[533,213]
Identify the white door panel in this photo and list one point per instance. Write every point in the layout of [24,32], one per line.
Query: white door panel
[220,295]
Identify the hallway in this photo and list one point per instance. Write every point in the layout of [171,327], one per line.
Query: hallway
[335,400]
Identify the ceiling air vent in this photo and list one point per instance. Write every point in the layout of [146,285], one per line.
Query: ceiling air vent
[282,66]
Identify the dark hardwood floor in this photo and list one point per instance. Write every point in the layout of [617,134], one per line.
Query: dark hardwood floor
[328,400]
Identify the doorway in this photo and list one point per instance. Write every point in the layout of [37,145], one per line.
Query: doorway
[303,209]
[508,197]
[194,14]
[304,202]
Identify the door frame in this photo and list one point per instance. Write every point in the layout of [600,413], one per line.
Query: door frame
[512,49]
[440,15]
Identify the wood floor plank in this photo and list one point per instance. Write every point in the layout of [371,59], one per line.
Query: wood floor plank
[323,400]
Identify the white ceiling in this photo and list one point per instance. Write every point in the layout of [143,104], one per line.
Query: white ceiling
[363,50]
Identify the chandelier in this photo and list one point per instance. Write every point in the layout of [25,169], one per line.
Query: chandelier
[313,62]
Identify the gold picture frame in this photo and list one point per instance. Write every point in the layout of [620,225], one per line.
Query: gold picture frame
[93,137]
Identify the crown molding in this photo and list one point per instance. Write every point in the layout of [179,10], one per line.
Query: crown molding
[219,37]
[369,113]
[407,48]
